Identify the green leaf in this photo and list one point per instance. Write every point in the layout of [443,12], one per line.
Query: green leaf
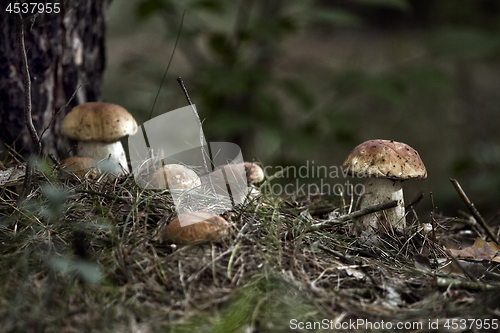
[396,4]
[462,43]
[336,17]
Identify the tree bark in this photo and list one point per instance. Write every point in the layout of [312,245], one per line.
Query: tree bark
[66,57]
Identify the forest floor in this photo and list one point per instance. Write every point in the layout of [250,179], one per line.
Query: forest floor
[88,254]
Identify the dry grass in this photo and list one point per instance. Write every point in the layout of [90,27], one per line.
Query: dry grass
[87,255]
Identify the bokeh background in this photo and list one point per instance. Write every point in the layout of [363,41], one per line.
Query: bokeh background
[299,80]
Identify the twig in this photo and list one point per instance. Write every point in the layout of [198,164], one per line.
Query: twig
[459,265]
[28,120]
[473,210]
[202,138]
[55,113]
[465,285]
[415,202]
[183,87]
[168,66]
[433,220]
[356,214]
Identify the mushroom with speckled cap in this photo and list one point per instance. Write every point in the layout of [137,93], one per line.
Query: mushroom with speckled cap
[384,164]
[98,127]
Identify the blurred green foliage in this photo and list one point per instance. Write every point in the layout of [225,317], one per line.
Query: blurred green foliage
[233,77]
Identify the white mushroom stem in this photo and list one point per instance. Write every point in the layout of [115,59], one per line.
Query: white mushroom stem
[101,150]
[377,191]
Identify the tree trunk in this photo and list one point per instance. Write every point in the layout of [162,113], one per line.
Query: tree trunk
[66,56]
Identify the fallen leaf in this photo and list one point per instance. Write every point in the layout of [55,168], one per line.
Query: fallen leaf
[480,250]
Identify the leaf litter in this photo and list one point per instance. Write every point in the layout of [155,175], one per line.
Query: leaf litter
[89,254]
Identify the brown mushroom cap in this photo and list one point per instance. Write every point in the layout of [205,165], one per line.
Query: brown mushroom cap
[98,121]
[255,174]
[78,165]
[385,159]
[175,176]
[211,228]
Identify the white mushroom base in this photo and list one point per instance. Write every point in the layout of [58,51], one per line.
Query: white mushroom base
[377,191]
[101,151]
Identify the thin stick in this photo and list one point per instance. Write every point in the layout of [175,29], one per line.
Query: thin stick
[202,139]
[433,220]
[415,202]
[183,87]
[168,66]
[462,268]
[28,120]
[356,214]
[55,113]
[27,90]
[473,210]
[144,133]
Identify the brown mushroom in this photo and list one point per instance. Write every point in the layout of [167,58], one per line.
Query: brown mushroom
[206,227]
[175,176]
[98,128]
[385,164]
[254,172]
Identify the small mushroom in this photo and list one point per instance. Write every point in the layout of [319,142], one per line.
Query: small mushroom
[98,128]
[175,176]
[385,164]
[253,172]
[80,166]
[210,228]
[235,178]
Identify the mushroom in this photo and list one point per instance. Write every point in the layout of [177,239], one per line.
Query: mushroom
[175,176]
[210,228]
[255,174]
[234,179]
[98,127]
[385,164]
[80,166]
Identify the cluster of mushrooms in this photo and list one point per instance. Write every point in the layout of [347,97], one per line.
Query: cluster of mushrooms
[197,226]
[98,127]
